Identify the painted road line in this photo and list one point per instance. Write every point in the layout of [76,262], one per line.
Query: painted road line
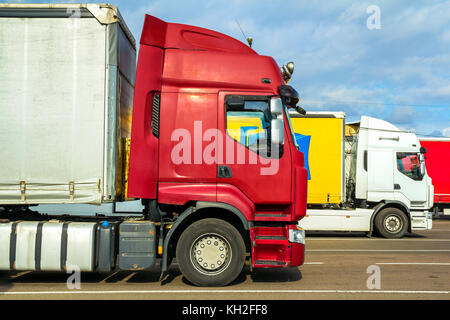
[373,250]
[314,263]
[221,291]
[415,263]
[371,239]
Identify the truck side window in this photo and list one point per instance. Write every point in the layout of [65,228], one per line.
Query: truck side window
[408,163]
[249,124]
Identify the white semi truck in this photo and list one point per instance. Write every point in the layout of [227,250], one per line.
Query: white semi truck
[363,176]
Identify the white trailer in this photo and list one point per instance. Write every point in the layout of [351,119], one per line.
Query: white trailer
[66,95]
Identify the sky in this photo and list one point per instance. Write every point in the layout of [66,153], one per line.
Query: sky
[385,59]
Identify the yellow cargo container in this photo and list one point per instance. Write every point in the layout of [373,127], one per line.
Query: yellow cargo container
[321,139]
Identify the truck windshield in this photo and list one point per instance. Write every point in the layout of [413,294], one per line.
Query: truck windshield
[291,129]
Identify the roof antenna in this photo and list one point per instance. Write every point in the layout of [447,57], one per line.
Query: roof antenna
[249,39]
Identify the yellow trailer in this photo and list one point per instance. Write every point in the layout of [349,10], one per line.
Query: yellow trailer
[321,138]
[247,127]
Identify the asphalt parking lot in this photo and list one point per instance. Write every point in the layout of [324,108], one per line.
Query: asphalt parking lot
[338,266]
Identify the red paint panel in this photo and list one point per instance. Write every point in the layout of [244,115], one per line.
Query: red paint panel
[233,196]
[181,193]
[437,161]
[143,168]
[206,71]
[297,254]
[154,32]
[300,192]
[271,252]
[180,36]
[185,119]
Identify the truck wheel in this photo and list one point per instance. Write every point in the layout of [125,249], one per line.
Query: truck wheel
[211,252]
[391,223]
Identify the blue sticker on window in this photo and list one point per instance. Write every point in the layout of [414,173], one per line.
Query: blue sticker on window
[246,138]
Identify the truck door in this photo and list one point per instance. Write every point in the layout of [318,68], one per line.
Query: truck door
[185,122]
[380,175]
[408,178]
[244,163]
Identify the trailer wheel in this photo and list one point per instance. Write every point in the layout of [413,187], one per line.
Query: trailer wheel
[211,252]
[391,223]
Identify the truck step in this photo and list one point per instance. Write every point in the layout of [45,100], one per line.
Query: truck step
[271,263]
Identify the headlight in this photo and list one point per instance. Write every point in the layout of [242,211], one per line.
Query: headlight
[297,235]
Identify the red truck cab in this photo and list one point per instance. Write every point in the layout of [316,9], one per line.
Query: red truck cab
[218,200]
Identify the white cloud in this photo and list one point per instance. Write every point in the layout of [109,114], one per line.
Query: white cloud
[446,132]
[339,63]
[354,12]
[403,115]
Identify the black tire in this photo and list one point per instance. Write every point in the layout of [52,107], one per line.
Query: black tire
[223,257]
[391,223]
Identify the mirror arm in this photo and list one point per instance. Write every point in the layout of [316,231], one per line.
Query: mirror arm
[300,110]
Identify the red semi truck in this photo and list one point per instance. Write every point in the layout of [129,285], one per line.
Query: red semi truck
[436,161]
[207,200]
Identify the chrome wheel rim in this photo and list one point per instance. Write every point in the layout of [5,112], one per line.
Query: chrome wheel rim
[210,254]
[393,224]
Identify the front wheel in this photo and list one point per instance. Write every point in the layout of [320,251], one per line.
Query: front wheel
[391,223]
[211,252]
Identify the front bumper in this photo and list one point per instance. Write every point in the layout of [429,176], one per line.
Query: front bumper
[297,238]
[421,220]
[277,247]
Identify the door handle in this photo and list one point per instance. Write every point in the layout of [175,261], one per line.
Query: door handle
[224,172]
[397,186]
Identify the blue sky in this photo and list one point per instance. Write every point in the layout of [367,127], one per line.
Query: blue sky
[399,73]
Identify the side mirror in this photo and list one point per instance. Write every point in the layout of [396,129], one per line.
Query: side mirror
[300,110]
[276,107]
[422,157]
[422,161]
[422,168]
[289,95]
[277,131]
[276,124]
